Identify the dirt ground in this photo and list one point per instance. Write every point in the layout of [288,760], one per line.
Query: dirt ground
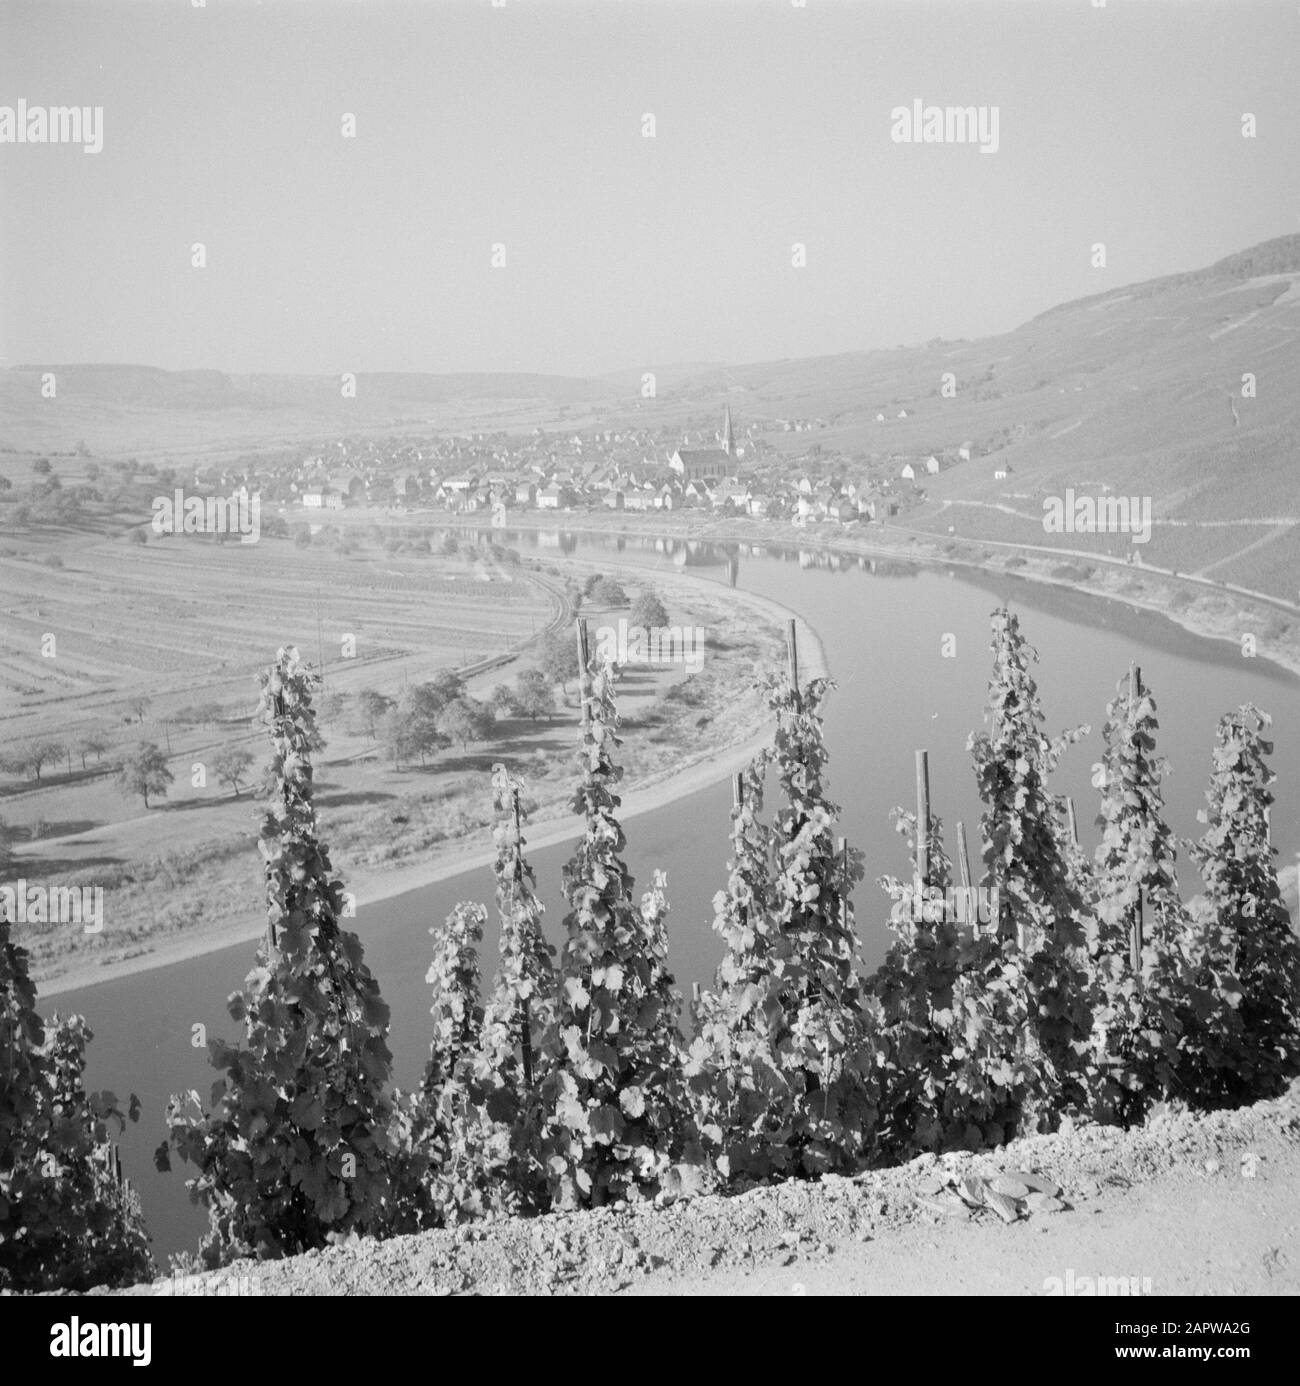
[1188,1204]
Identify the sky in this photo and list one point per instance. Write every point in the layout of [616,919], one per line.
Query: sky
[521,125]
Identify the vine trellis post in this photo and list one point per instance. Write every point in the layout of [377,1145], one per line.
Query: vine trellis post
[922,822]
[525,1016]
[792,661]
[963,866]
[737,803]
[1135,915]
[584,671]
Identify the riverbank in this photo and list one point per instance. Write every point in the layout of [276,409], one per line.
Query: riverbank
[372,885]
[1200,607]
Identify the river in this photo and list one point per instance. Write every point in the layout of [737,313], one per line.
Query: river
[884,627]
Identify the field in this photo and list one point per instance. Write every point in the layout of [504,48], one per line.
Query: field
[186,868]
[182,620]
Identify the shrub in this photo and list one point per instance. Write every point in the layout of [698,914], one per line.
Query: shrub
[295,1149]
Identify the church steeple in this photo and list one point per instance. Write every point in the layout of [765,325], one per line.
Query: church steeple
[728,442]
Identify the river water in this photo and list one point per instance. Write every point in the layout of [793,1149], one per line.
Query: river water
[884,627]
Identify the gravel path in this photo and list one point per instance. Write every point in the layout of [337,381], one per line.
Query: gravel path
[1185,1205]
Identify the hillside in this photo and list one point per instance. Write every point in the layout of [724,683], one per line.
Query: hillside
[1139,391]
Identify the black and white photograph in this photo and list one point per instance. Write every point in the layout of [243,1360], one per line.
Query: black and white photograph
[649,648]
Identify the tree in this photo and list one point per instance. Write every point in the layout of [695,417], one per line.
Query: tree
[787,1009]
[91,743]
[648,611]
[373,706]
[1040,908]
[399,736]
[33,756]
[296,1147]
[65,1222]
[464,720]
[502,700]
[231,766]
[608,592]
[616,1118]
[41,466]
[137,535]
[1139,971]
[138,705]
[1245,937]
[144,772]
[555,658]
[534,695]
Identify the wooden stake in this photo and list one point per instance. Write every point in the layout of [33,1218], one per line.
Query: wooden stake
[525,1016]
[737,801]
[1071,822]
[842,851]
[792,660]
[584,660]
[1135,924]
[923,819]
[963,867]
[1135,940]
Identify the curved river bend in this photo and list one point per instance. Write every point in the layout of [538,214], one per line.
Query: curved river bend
[883,626]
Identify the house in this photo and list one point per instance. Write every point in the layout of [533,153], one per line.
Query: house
[908,473]
[932,465]
[842,510]
[700,464]
[1001,473]
[700,492]
[880,418]
[526,493]
[555,497]
[313,499]
[964,452]
[667,498]
[866,509]
[614,499]
[902,413]
[350,484]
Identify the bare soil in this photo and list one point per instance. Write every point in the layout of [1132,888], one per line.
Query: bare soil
[1188,1204]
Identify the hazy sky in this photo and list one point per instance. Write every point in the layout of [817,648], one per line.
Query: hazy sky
[523,125]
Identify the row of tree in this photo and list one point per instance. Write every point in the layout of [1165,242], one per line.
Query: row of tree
[1095,992]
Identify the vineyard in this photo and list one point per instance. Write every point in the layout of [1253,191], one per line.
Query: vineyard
[1091,991]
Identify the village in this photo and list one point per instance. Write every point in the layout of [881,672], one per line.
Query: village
[632,469]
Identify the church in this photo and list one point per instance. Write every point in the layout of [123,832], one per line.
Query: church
[709,464]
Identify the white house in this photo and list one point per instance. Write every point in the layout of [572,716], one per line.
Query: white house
[932,465]
[908,473]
